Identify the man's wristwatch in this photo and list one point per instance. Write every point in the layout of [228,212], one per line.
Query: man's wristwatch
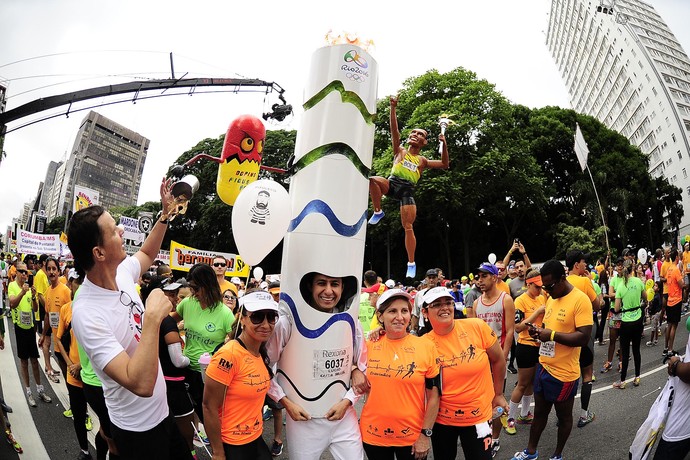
[427,432]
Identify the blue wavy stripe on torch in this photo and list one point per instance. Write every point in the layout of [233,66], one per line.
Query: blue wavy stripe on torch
[320,207]
[315,333]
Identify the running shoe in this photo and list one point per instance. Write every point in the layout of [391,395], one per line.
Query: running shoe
[13,442]
[84,456]
[268,414]
[495,447]
[44,397]
[556,457]
[276,448]
[67,413]
[32,401]
[585,420]
[376,217]
[620,385]
[411,270]
[89,423]
[510,427]
[523,455]
[636,382]
[606,367]
[650,343]
[5,408]
[665,352]
[526,420]
[201,437]
[512,369]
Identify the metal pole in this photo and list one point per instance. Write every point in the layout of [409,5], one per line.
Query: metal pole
[608,249]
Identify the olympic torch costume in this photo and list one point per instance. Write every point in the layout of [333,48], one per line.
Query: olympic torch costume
[316,351]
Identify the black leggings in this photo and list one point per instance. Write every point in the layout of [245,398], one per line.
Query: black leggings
[631,332]
[162,442]
[388,452]
[602,321]
[255,450]
[444,441]
[77,402]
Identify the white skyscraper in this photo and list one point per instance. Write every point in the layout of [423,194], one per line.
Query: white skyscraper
[622,65]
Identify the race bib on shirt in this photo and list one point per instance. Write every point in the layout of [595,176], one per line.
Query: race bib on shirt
[331,363]
[548,349]
[54,318]
[25,318]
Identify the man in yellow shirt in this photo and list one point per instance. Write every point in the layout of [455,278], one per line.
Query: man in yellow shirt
[567,328]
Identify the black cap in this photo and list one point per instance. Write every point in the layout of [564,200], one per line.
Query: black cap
[574,256]
[432,272]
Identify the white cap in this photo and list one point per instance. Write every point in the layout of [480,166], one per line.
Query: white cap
[235,280]
[72,274]
[390,294]
[390,284]
[258,300]
[263,285]
[172,286]
[436,293]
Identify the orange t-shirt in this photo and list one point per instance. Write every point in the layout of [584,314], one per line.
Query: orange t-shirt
[467,389]
[663,272]
[584,284]
[247,380]
[394,412]
[675,293]
[528,305]
[686,261]
[565,314]
[65,319]
[56,297]
[503,286]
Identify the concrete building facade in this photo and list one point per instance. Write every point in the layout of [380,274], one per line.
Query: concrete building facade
[622,65]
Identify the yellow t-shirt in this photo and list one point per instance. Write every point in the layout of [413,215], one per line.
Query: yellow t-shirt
[225,285]
[503,286]
[664,269]
[566,314]
[41,283]
[56,297]
[65,319]
[394,412]
[584,284]
[467,390]
[528,305]
[246,379]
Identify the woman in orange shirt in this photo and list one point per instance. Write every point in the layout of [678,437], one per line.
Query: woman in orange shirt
[529,309]
[473,368]
[237,381]
[403,371]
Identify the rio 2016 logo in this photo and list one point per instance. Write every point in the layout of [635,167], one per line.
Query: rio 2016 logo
[355,72]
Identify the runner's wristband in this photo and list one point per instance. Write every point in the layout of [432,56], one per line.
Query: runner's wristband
[553,334]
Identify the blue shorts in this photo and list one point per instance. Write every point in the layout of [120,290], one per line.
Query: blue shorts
[553,390]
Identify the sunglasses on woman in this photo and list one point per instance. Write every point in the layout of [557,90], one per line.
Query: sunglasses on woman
[228,297]
[258,317]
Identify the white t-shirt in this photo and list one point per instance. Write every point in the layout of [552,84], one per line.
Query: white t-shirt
[105,326]
[678,423]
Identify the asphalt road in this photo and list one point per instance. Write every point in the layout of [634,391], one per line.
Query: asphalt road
[45,433]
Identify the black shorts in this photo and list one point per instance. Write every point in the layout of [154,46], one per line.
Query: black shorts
[96,399]
[272,404]
[254,450]
[673,313]
[586,356]
[179,402]
[401,189]
[527,356]
[26,342]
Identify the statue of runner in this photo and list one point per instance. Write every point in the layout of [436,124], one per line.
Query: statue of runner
[407,168]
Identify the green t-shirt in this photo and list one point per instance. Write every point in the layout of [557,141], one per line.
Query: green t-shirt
[22,316]
[597,289]
[88,376]
[204,329]
[630,296]
[366,312]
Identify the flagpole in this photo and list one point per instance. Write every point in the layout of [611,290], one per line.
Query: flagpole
[601,211]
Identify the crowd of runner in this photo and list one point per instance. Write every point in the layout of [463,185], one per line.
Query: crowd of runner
[431,358]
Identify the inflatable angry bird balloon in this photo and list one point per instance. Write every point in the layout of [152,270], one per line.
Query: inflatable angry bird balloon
[241,158]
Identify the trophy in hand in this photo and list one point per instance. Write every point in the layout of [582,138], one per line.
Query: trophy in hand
[182,191]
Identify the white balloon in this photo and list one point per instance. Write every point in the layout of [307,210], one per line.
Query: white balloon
[642,255]
[492,258]
[260,219]
[258,273]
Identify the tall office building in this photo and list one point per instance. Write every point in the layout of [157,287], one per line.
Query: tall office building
[106,157]
[622,65]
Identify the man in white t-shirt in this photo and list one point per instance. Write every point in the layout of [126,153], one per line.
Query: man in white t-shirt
[119,336]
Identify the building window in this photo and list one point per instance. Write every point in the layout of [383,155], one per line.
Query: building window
[680,156]
[685,173]
[673,136]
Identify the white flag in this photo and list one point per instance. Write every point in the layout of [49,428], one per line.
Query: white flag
[581,149]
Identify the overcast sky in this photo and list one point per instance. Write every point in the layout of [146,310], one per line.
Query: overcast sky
[99,43]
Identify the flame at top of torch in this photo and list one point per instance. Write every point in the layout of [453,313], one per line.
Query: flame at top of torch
[346,38]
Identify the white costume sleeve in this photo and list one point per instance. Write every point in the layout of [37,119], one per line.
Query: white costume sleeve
[274,347]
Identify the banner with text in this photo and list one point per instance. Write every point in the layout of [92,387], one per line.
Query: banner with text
[84,197]
[184,257]
[132,236]
[36,243]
